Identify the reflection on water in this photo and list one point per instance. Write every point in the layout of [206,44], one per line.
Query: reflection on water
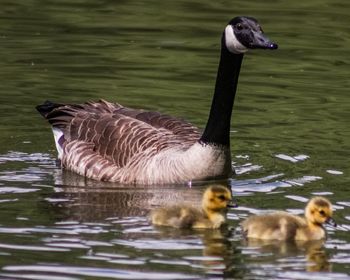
[104,231]
[98,202]
[311,253]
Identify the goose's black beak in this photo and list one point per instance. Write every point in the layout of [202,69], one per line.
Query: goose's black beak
[260,41]
[232,204]
[330,221]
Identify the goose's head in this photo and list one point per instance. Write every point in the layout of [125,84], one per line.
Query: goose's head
[319,211]
[217,198]
[243,33]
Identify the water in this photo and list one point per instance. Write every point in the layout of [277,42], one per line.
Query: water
[290,136]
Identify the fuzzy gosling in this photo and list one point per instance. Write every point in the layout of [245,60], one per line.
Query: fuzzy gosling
[284,226]
[215,201]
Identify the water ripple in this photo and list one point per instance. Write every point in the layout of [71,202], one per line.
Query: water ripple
[264,184]
[32,248]
[294,275]
[98,272]
[245,168]
[296,158]
[334,172]
[164,244]
[12,156]
[38,276]
[16,189]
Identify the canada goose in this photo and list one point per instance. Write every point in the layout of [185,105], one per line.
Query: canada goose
[108,142]
[215,201]
[284,226]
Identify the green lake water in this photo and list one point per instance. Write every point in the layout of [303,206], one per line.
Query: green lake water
[290,136]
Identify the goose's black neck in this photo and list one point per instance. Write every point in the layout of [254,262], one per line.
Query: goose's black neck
[217,130]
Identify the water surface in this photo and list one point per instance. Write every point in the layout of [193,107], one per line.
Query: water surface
[290,136]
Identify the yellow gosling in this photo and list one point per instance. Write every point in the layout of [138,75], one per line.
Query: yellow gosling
[215,201]
[284,226]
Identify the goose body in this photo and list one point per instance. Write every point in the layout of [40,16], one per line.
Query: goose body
[285,226]
[108,142]
[212,215]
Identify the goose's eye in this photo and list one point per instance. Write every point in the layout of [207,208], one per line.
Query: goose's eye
[239,26]
[322,213]
[222,197]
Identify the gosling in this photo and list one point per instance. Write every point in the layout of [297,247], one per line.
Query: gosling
[215,201]
[284,226]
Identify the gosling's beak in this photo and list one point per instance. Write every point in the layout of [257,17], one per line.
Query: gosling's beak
[232,204]
[331,221]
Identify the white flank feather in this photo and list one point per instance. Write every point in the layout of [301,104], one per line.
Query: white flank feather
[177,166]
[57,134]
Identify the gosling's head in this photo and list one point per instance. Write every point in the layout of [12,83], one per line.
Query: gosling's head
[319,211]
[243,33]
[217,198]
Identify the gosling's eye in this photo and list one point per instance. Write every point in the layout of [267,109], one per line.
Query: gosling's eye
[322,213]
[222,197]
[239,26]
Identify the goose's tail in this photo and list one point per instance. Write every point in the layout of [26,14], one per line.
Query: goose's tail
[45,109]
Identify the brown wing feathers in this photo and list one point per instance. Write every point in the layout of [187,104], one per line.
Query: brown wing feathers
[105,136]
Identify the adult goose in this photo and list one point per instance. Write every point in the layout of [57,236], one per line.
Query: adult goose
[109,142]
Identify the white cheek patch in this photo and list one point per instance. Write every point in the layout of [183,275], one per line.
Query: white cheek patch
[232,43]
